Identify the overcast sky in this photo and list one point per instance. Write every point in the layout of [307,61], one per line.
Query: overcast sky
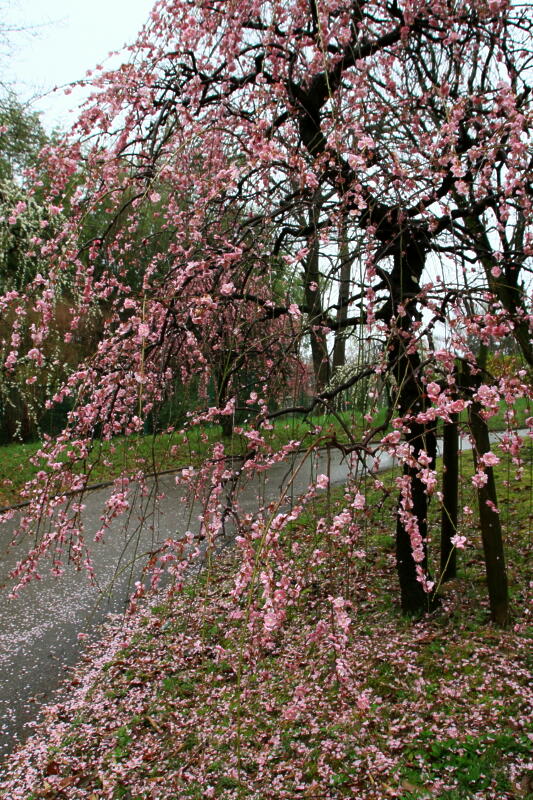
[64,39]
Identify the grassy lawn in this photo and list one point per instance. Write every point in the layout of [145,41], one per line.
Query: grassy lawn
[166,451]
[187,701]
[169,451]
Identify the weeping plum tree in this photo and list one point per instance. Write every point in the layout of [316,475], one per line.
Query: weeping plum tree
[406,122]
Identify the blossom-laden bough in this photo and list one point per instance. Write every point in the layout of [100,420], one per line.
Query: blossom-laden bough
[257,176]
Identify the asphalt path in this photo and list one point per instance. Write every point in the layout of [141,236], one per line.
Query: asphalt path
[39,629]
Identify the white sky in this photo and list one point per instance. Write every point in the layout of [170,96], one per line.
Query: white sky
[64,39]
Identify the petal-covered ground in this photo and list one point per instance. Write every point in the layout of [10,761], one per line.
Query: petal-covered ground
[192,699]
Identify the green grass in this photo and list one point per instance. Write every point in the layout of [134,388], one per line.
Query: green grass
[15,470]
[165,451]
[476,762]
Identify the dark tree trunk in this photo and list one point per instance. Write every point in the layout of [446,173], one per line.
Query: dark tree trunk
[313,302]
[339,346]
[414,598]
[226,423]
[405,366]
[225,386]
[450,499]
[489,520]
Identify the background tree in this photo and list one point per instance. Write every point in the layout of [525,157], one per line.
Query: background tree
[22,136]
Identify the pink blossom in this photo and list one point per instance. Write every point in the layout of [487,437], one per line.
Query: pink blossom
[433,391]
[458,541]
[359,501]
[480,479]
[322,481]
[36,355]
[489,459]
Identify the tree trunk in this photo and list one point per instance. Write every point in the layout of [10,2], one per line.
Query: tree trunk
[405,365]
[339,346]
[226,423]
[450,499]
[313,302]
[489,520]
[414,597]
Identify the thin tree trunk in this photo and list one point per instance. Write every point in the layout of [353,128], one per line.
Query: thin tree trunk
[313,302]
[489,520]
[339,346]
[226,423]
[450,499]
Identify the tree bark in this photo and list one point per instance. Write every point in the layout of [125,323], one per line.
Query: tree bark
[313,302]
[405,365]
[489,520]
[450,499]
[339,346]
[414,598]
